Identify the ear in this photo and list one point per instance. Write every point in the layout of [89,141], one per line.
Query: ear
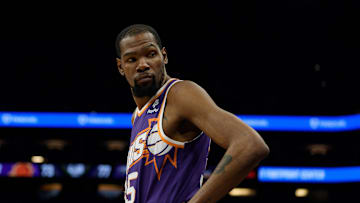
[164,53]
[118,63]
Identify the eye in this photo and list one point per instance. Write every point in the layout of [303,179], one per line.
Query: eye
[130,60]
[152,54]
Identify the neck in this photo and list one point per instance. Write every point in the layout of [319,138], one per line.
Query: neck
[141,101]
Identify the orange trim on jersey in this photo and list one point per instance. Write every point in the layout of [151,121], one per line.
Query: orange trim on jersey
[153,99]
[159,129]
[132,120]
[167,142]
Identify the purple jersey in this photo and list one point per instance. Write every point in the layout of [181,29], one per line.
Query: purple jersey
[160,169]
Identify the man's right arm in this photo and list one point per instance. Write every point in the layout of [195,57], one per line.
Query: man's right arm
[244,146]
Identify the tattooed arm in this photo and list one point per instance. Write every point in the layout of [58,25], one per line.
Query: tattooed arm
[244,146]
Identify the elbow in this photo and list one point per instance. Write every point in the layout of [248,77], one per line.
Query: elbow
[263,151]
[253,147]
[258,149]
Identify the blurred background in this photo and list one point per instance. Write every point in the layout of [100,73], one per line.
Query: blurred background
[287,68]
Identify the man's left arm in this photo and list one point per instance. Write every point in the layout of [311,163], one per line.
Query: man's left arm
[244,146]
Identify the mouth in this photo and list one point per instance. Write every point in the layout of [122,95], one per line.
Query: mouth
[144,79]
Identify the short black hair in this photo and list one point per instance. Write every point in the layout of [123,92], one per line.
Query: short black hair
[134,30]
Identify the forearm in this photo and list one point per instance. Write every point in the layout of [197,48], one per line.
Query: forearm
[231,170]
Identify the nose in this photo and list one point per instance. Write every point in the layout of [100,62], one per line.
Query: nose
[142,65]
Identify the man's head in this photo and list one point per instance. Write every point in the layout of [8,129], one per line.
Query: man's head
[141,59]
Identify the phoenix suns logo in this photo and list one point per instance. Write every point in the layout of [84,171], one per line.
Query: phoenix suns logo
[150,145]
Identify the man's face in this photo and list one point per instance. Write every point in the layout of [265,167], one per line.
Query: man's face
[142,63]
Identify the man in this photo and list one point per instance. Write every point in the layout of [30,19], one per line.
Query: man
[172,126]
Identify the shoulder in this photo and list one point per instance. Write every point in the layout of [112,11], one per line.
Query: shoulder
[185,87]
[188,97]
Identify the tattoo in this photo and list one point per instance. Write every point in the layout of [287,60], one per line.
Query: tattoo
[224,162]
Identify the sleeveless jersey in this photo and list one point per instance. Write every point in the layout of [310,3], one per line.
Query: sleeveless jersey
[160,169]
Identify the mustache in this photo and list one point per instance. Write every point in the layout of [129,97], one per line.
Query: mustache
[139,77]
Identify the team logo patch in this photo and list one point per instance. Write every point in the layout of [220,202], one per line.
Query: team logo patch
[149,145]
[155,144]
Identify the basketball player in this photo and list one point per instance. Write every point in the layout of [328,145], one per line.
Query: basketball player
[172,127]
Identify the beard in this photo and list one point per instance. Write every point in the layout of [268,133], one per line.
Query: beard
[147,90]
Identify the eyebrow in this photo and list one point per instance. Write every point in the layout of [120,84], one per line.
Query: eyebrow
[133,52]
